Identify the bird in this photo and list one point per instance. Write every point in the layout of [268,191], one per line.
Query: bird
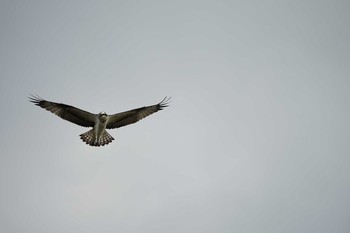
[98,136]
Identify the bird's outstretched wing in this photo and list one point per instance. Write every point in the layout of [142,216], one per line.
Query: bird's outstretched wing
[66,112]
[133,116]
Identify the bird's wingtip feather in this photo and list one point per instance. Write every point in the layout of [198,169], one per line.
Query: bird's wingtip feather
[35,98]
[164,103]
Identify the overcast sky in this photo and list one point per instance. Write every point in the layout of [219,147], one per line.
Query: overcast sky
[256,138]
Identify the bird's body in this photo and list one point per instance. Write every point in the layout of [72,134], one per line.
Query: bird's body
[100,125]
[97,136]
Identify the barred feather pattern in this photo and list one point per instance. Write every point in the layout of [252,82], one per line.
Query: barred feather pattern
[90,138]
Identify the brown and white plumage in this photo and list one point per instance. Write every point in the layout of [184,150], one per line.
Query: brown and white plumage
[98,136]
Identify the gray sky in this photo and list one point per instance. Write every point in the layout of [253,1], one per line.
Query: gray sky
[255,140]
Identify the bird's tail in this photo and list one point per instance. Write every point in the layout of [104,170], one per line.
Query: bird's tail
[89,138]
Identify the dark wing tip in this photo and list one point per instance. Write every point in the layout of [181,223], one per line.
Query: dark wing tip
[35,99]
[164,103]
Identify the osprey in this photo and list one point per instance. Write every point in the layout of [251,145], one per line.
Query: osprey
[98,136]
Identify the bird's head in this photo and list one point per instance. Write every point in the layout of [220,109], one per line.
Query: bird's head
[102,116]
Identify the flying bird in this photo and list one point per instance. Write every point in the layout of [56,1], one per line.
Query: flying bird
[98,136]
